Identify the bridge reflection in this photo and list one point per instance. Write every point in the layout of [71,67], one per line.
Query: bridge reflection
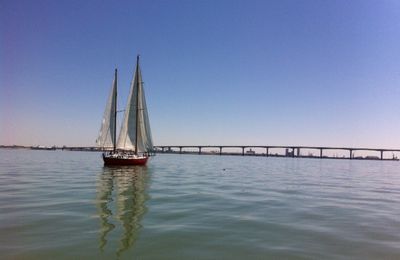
[120,200]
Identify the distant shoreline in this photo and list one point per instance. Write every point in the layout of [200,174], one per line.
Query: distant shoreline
[68,148]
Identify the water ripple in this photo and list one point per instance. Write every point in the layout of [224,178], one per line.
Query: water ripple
[67,205]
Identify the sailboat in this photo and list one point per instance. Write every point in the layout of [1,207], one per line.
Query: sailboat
[134,145]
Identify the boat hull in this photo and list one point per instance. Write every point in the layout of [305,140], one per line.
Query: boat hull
[125,161]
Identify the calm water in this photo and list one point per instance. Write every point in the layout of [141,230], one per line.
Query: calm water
[56,205]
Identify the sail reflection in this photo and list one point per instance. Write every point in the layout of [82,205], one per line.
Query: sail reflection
[121,197]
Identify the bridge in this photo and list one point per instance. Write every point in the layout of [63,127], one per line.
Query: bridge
[246,150]
[291,151]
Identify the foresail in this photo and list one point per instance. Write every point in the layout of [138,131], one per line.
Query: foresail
[107,130]
[127,137]
[145,131]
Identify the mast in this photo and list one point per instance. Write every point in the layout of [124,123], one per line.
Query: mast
[115,113]
[137,105]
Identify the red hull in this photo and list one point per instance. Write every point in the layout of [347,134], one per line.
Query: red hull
[125,161]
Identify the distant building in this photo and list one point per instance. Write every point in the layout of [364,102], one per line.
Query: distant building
[250,152]
[289,153]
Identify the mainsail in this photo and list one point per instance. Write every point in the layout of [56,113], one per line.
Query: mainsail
[107,131]
[136,119]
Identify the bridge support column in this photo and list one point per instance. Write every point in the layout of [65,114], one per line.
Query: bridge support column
[163,148]
[220,150]
[298,152]
[381,154]
[266,152]
[351,154]
[199,149]
[293,152]
[242,151]
[180,149]
[320,152]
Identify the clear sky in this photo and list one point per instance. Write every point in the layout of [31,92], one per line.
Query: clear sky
[215,72]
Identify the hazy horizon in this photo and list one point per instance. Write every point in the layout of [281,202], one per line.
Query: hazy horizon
[312,73]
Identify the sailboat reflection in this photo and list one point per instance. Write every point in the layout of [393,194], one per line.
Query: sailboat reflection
[121,197]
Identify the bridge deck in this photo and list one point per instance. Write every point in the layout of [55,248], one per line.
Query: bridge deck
[292,151]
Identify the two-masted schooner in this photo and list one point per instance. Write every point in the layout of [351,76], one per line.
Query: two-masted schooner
[134,144]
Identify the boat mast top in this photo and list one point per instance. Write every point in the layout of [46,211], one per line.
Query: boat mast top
[137,104]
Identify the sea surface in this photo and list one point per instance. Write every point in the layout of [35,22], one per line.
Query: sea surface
[66,205]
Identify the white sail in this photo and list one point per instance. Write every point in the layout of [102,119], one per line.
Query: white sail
[107,130]
[136,106]
[147,139]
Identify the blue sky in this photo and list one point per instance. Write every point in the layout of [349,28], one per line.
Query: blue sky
[216,72]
